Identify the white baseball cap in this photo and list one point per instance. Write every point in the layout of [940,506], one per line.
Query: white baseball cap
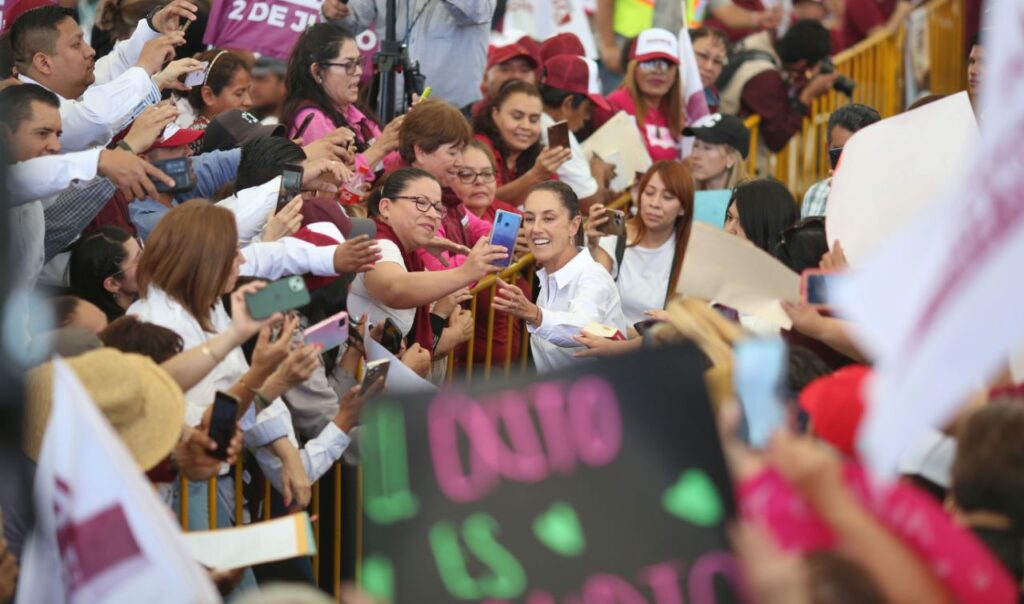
[657,43]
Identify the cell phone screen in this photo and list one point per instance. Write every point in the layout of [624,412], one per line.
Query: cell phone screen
[820,288]
[223,420]
[291,185]
[758,379]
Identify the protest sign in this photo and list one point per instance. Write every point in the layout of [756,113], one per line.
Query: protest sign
[710,207]
[619,135]
[892,171]
[938,307]
[269,27]
[604,482]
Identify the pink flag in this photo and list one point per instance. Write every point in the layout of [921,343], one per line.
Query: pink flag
[693,91]
[269,27]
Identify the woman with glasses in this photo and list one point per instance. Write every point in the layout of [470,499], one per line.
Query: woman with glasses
[102,269]
[652,92]
[408,211]
[711,48]
[323,92]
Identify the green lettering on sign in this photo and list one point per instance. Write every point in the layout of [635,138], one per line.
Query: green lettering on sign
[388,497]
[506,579]
[379,578]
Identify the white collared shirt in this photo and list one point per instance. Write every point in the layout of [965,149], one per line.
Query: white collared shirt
[579,293]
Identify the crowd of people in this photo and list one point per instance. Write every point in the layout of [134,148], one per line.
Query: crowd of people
[144,182]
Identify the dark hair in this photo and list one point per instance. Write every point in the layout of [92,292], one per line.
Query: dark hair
[975,40]
[801,245]
[707,31]
[554,97]
[319,44]
[926,99]
[223,65]
[264,158]
[806,39]
[63,308]
[35,31]
[16,103]
[564,193]
[766,208]
[803,367]
[484,124]
[835,579]
[394,184]
[6,57]
[429,125]
[852,117]
[986,471]
[96,256]
[128,334]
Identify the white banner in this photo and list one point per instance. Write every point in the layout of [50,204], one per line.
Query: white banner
[940,306]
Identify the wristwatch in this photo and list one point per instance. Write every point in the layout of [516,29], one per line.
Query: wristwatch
[152,13]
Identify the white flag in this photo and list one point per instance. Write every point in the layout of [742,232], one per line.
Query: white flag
[101,533]
[940,305]
[695,104]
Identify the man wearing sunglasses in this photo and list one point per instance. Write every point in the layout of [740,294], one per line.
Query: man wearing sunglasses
[841,125]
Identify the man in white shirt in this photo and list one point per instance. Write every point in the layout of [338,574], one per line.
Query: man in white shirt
[98,98]
[569,88]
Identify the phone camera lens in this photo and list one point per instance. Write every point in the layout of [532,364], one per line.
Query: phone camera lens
[295,283]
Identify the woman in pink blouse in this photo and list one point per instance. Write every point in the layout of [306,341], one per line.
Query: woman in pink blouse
[323,89]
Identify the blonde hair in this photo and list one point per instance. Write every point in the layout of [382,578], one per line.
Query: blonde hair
[737,173]
[675,99]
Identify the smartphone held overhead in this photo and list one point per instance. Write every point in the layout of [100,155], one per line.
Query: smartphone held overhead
[281,295]
[223,422]
[330,333]
[179,169]
[291,185]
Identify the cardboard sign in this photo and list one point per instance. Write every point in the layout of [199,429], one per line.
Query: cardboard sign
[620,135]
[269,27]
[604,482]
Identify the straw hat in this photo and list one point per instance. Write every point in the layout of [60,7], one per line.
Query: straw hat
[140,400]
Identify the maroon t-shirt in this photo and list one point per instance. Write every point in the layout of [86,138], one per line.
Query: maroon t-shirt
[861,16]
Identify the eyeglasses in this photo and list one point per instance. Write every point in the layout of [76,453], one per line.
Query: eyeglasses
[656,65]
[468,177]
[423,204]
[719,61]
[350,67]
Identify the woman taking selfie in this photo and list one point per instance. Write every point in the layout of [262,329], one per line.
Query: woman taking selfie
[646,262]
[652,92]
[510,127]
[759,211]
[323,89]
[102,269]
[408,211]
[722,143]
[574,290]
[226,86]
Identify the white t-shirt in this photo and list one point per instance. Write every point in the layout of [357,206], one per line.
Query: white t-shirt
[576,171]
[643,277]
[360,300]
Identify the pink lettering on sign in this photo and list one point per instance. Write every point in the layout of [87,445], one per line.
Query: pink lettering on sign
[609,589]
[578,423]
[664,580]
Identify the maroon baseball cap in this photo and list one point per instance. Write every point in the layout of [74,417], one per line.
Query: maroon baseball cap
[564,43]
[575,74]
[176,137]
[496,55]
[17,9]
[532,46]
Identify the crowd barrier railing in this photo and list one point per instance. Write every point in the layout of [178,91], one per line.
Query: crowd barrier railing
[876,64]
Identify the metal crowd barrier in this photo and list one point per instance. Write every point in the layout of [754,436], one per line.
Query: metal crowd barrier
[877,65]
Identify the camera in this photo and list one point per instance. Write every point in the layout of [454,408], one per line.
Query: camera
[842,84]
[296,284]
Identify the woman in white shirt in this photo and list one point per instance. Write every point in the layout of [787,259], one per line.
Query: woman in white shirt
[646,262]
[574,290]
[191,260]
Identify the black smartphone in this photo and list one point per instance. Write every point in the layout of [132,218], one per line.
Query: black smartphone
[392,337]
[223,421]
[375,370]
[558,135]
[641,327]
[180,170]
[291,185]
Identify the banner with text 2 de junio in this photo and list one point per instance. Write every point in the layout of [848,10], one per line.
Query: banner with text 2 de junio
[604,483]
[269,27]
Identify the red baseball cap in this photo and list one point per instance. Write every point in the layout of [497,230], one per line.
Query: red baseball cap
[176,137]
[835,404]
[575,74]
[656,43]
[564,43]
[532,46]
[17,9]
[497,55]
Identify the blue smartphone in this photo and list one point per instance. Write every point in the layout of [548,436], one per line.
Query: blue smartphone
[758,378]
[504,233]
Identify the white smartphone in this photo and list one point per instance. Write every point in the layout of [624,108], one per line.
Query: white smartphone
[196,78]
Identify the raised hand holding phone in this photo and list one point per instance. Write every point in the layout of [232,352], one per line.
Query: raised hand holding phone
[758,381]
[505,233]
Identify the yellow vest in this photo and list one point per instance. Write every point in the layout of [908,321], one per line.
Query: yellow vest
[633,17]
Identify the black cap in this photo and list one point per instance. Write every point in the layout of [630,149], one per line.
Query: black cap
[720,129]
[233,128]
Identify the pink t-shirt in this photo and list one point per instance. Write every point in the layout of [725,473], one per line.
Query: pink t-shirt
[321,125]
[661,143]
